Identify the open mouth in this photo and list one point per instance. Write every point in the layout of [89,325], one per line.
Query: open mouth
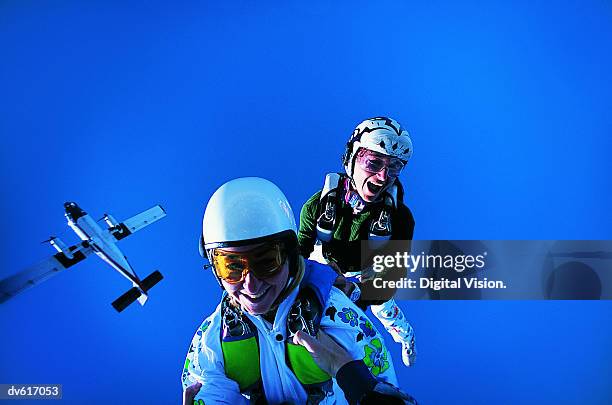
[373,188]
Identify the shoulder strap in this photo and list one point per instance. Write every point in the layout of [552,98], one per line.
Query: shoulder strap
[380,225]
[240,347]
[305,315]
[328,205]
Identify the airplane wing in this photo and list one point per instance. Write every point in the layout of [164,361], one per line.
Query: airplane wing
[13,285]
[137,222]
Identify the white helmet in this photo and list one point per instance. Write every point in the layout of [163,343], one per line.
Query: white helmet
[379,134]
[245,211]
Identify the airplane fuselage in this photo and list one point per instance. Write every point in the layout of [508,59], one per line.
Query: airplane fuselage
[101,240]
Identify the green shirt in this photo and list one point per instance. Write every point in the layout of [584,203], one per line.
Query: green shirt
[345,248]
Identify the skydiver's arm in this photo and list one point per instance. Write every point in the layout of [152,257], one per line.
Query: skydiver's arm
[360,387]
[349,336]
[307,234]
[204,365]
[190,392]
[353,376]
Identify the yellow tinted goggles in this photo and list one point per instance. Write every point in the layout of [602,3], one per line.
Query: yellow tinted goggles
[263,261]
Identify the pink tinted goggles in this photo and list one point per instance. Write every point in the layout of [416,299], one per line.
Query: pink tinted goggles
[374,162]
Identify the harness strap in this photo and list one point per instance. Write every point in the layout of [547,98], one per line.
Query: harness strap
[328,203]
[380,222]
[241,347]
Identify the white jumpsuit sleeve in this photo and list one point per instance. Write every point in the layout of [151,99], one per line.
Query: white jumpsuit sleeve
[352,329]
[204,364]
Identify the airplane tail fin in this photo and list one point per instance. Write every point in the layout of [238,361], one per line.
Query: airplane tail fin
[126,299]
[151,280]
[135,293]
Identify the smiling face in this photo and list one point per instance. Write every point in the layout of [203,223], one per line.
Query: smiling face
[255,295]
[368,182]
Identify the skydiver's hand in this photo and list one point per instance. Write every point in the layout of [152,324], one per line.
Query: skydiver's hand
[328,354]
[344,285]
[368,274]
[334,266]
[190,393]
[348,287]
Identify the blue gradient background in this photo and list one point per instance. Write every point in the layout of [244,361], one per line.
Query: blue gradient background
[122,107]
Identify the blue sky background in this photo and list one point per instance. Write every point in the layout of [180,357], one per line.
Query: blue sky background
[123,106]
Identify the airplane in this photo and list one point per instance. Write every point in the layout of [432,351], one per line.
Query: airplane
[94,239]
